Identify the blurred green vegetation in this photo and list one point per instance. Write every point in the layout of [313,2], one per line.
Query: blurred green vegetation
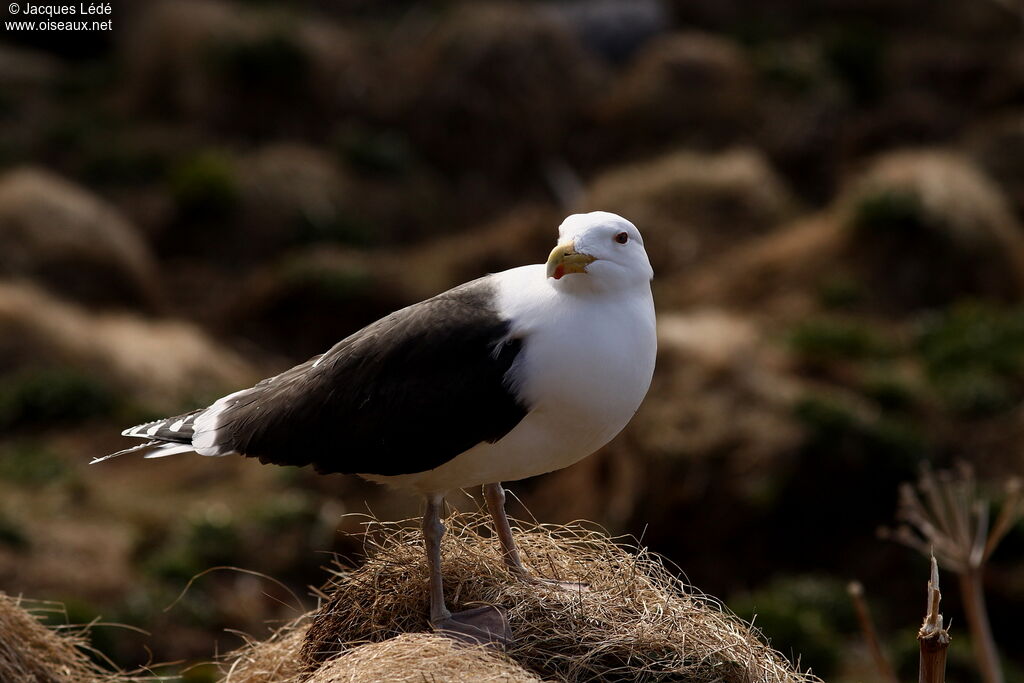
[56,395]
[788,68]
[201,673]
[887,210]
[333,283]
[889,389]
[12,535]
[339,228]
[840,292]
[892,444]
[809,618]
[826,339]
[198,543]
[973,355]
[281,529]
[31,463]
[204,186]
[376,152]
[970,354]
[290,510]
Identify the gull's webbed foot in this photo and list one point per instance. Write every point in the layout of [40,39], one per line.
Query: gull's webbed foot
[485,625]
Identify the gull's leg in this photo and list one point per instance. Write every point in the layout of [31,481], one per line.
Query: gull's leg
[494,494]
[482,625]
[433,532]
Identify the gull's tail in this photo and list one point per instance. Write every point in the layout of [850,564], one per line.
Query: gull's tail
[163,437]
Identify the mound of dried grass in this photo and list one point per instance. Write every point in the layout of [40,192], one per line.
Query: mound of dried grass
[275,660]
[192,59]
[159,363]
[476,72]
[68,240]
[681,88]
[635,620]
[951,194]
[32,653]
[417,657]
[412,657]
[927,227]
[694,205]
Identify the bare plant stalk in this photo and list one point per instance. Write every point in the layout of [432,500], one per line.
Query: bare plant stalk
[1008,515]
[932,637]
[867,627]
[947,516]
[973,595]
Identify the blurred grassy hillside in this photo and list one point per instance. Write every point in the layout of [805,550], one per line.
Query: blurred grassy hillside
[832,195]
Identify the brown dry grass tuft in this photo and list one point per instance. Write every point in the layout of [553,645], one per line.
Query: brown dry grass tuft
[275,660]
[694,205]
[73,243]
[927,227]
[413,657]
[635,621]
[160,363]
[417,657]
[32,653]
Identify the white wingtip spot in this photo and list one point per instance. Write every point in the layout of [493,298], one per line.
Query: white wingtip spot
[169,449]
[177,425]
[140,430]
[206,424]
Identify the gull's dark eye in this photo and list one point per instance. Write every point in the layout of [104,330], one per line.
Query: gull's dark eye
[622,238]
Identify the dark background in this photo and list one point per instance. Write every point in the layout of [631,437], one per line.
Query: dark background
[830,192]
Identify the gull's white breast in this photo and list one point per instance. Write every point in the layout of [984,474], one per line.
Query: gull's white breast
[585,367]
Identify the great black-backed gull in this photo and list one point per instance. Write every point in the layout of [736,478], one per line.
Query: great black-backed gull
[506,377]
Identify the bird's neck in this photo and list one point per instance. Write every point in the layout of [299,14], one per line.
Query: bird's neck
[603,289]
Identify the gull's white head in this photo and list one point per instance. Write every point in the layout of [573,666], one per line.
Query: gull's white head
[599,251]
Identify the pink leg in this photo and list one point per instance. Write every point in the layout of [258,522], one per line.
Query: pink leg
[482,625]
[494,494]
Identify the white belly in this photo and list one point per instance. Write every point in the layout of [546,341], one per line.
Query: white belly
[580,400]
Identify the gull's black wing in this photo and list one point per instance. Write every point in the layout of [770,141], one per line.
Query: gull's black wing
[403,395]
